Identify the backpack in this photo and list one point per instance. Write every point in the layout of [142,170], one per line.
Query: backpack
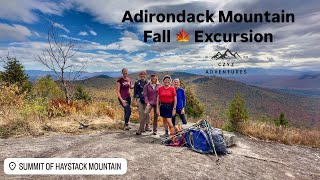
[201,137]
[198,141]
[206,141]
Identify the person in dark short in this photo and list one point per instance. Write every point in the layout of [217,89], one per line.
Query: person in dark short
[167,102]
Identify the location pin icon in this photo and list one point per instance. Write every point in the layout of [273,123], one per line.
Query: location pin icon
[12,165]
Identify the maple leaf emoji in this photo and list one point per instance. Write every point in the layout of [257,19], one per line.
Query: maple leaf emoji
[182,36]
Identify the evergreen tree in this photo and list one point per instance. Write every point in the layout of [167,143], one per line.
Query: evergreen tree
[281,121]
[81,94]
[194,108]
[237,113]
[13,72]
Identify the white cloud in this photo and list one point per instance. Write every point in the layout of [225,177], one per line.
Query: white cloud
[93,33]
[129,34]
[69,37]
[99,59]
[14,32]
[61,26]
[111,12]
[24,11]
[36,34]
[129,42]
[83,33]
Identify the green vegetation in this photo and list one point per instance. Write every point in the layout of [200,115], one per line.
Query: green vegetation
[81,94]
[45,87]
[281,121]
[217,92]
[194,107]
[264,118]
[14,74]
[27,109]
[237,113]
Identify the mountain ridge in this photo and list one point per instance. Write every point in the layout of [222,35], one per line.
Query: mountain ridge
[216,93]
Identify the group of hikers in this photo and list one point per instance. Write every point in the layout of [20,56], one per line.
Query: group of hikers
[164,99]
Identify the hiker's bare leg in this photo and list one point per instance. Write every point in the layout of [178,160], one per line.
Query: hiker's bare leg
[165,123]
[170,125]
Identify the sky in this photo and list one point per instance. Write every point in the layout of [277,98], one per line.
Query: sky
[106,44]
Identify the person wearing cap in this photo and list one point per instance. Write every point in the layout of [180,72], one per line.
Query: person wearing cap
[167,101]
[140,101]
[181,102]
[150,96]
[123,87]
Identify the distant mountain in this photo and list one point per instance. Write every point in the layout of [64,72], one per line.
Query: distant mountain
[102,76]
[290,81]
[217,92]
[310,76]
[35,74]
[303,84]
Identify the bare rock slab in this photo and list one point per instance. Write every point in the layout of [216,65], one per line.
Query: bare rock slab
[229,138]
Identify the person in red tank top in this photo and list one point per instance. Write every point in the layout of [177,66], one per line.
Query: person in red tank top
[123,87]
[166,104]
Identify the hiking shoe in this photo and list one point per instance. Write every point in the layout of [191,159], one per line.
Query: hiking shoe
[148,128]
[154,133]
[138,133]
[165,135]
[126,127]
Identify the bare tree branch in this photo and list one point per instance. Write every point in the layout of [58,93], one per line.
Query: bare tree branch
[57,57]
